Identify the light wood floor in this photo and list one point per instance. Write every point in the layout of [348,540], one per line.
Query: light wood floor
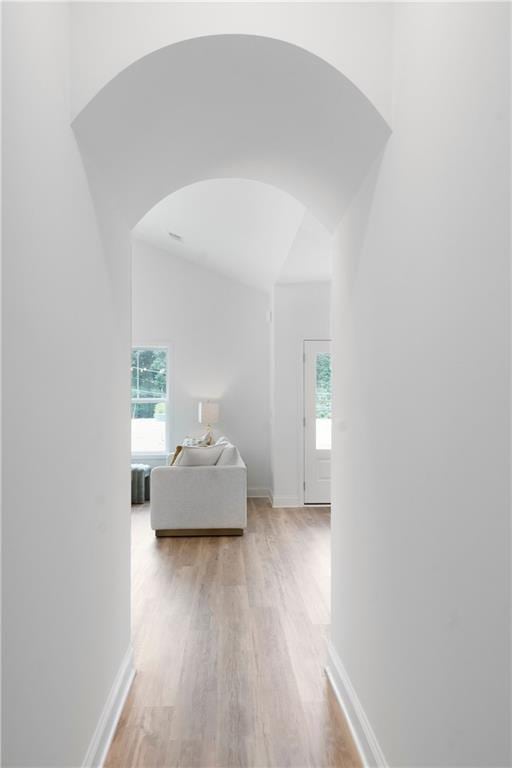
[229,640]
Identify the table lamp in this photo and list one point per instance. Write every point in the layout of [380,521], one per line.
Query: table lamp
[208,415]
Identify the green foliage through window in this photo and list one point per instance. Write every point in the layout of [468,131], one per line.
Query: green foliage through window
[323,385]
[149,373]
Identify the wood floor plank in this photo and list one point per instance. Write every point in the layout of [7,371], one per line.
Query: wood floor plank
[229,641]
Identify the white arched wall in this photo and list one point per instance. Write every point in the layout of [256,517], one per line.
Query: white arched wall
[230,106]
[355,38]
[238,106]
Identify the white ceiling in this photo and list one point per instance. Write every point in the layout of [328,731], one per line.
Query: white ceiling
[250,231]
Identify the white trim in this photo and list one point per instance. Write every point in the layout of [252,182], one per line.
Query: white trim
[259,493]
[286,501]
[366,742]
[106,726]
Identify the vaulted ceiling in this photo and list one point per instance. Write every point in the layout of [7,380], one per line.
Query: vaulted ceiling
[230,106]
[248,148]
[250,231]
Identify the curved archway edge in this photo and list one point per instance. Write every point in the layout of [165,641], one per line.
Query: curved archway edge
[231,106]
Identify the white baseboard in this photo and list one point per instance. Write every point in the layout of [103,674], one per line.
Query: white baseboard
[106,726]
[286,501]
[258,493]
[367,745]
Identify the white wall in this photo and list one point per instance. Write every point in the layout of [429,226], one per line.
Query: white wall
[65,548]
[421,558]
[300,311]
[220,338]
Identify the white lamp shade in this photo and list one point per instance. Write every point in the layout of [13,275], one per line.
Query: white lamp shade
[208,412]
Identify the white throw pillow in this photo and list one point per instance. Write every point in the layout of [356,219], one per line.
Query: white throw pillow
[228,457]
[199,456]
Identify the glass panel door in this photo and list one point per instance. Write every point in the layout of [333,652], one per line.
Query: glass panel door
[317,422]
[323,401]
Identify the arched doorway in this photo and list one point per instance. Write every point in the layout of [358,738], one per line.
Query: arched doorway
[228,106]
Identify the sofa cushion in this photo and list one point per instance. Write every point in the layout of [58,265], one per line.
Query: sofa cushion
[198,456]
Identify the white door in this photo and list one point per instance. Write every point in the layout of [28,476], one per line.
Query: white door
[317,422]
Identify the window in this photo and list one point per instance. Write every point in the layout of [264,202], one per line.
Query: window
[149,400]
[323,401]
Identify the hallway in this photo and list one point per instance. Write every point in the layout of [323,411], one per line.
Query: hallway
[229,643]
[231,182]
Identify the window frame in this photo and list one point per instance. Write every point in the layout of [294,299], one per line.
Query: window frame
[157,345]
